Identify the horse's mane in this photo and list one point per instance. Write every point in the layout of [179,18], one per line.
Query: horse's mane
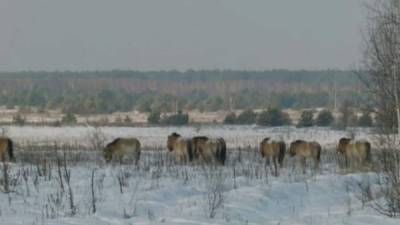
[203,138]
[114,142]
[175,134]
[266,139]
[298,141]
[345,140]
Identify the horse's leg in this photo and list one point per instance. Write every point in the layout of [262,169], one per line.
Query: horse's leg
[269,163]
[275,166]
[303,161]
[316,165]
[120,159]
[182,159]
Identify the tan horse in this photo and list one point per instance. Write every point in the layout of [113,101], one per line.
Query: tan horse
[121,147]
[6,146]
[182,147]
[306,150]
[273,149]
[209,149]
[358,151]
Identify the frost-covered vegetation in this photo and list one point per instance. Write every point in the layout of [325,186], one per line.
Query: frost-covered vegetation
[60,177]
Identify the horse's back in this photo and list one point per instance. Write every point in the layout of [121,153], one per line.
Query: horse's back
[125,145]
[363,148]
[272,147]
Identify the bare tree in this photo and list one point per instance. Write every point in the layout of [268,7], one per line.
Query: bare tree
[214,194]
[380,72]
[381,75]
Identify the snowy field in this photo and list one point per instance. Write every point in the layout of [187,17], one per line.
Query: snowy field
[71,190]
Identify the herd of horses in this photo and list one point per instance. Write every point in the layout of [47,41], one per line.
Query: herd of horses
[213,150]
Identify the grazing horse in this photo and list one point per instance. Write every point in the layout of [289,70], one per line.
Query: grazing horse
[209,149]
[182,147]
[122,146]
[6,146]
[306,150]
[273,149]
[357,150]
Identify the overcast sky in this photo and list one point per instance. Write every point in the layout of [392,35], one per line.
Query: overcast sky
[179,34]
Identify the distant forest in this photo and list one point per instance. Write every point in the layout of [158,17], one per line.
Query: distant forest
[165,91]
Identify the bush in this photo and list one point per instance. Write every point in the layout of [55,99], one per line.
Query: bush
[306,119]
[273,117]
[365,120]
[19,120]
[127,119]
[177,119]
[246,117]
[230,119]
[324,118]
[154,118]
[69,118]
[347,117]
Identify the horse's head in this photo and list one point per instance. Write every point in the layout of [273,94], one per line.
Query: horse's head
[171,141]
[263,142]
[266,139]
[293,147]
[107,153]
[343,142]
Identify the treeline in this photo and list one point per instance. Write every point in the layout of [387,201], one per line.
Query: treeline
[273,117]
[169,91]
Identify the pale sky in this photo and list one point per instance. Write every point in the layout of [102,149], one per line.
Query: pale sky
[180,34]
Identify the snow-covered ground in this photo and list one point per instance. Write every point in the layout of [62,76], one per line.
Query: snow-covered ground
[161,191]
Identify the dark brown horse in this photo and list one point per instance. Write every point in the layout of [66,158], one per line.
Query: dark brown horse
[306,150]
[209,149]
[358,151]
[121,147]
[273,149]
[181,147]
[6,148]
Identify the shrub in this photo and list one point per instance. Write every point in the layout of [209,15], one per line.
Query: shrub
[127,119]
[177,119]
[230,119]
[154,118]
[273,117]
[306,119]
[246,117]
[324,118]
[365,120]
[19,120]
[69,118]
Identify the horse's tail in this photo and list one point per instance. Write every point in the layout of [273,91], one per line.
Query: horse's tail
[10,149]
[368,157]
[221,152]
[138,151]
[282,150]
[189,148]
[319,150]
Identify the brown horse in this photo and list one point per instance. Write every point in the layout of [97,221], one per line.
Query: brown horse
[209,149]
[358,151]
[273,149]
[121,147]
[306,150]
[6,146]
[182,147]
